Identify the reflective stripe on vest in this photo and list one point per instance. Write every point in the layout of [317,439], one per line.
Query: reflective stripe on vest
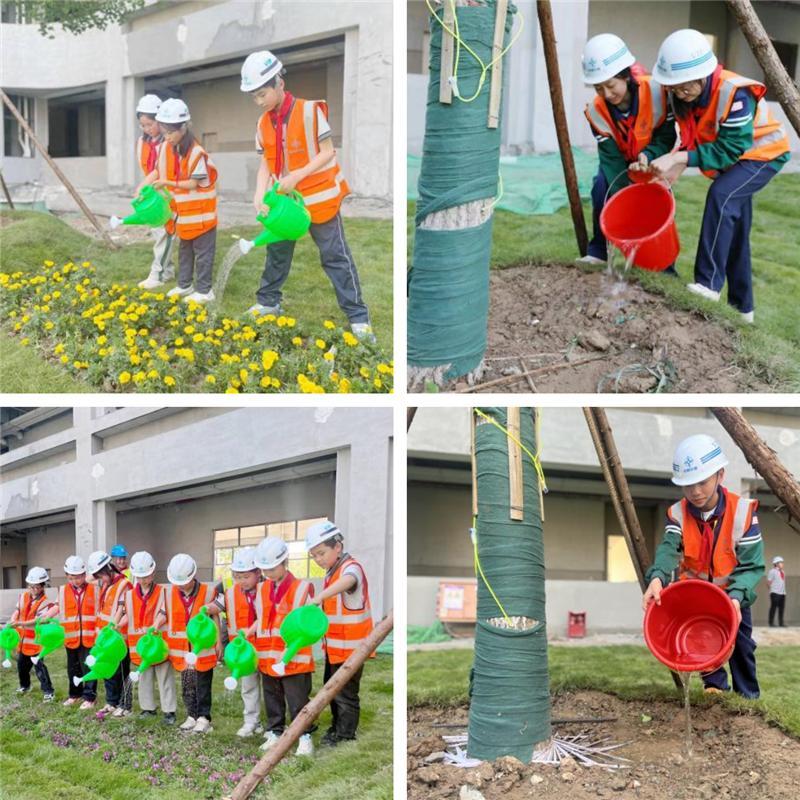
[143,150]
[79,627]
[325,188]
[133,608]
[237,611]
[176,628]
[108,605]
[269,645]
[27,612]
[347,627]
[196,208]
[769,136]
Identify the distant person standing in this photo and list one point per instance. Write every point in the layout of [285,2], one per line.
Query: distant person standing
[777,591]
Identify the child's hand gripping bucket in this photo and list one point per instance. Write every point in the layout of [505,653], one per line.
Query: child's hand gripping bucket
[640,219]
[694,629]
[152,208]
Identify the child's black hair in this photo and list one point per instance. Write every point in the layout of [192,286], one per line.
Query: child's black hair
[140,114]
[187,142]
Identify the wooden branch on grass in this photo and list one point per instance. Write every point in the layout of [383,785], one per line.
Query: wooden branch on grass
[531,373]
[312,710]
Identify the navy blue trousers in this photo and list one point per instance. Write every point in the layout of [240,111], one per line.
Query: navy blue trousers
[724,247]
[742,663]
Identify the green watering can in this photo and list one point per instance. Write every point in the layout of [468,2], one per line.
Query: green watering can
[240,658]
[100,669]
[152,649]
[9,641]
[50,635]
[110,646]
[150,208]
[201,631]
[301,628]
[288,220]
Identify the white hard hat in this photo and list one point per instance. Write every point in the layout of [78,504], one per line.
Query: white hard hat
[173,112]
[37,575]
[74,566]
[604,56]
[775,560]
[258,68]
[149,104]
[243,560]
[142,564]
[181,569]
[685,55]
[270,552]
[97,561]
[696,459]
[319,533]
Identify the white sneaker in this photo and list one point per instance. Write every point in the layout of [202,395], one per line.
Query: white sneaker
[362,330]
[108,709]
[305,746]
[152,281]
[70,701]
[270,740]
[261,311]
[703,291]
[189,724]
[176,290]
[248,730]
[121,712]
[199,297]
[86,705]
[202,725]
[748,317]
[587,259]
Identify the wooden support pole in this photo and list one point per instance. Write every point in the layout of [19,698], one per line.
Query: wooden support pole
[61,176]
[411,412]
[560,117]
[775,74]
[448,52]
[515,499]
[762,458]
[312,710]
[6,192]
[496,85]
[472,460]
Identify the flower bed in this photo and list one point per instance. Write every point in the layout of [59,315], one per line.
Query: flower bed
[121,338]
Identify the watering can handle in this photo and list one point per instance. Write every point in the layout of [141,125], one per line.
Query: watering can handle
[624,171]
[294,193]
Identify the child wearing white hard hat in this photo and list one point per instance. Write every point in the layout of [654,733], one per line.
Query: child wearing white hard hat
[33,605]
[345,600]
[776,578]
[630,120]
[713,534]
[728,131]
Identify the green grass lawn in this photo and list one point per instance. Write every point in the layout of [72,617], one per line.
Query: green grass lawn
[441,678]
[770,346]
[29,238]
[48,752]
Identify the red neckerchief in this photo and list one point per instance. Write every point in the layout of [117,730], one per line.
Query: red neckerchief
[143,609]
[277,118]
[277,591]
[250,598]
[689,127]
[781,572]
[188,599]
[152,155]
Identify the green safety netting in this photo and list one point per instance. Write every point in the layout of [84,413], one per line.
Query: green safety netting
[509,687]
[425,634]
[386,647]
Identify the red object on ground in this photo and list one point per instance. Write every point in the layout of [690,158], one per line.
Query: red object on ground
[694,628]
[576,625]
[641,217]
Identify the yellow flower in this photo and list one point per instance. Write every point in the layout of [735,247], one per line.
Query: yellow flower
[244,375]
[59,348]
[291,322]
[349,339]
[102,352]
[198,337]
[329,325]
[377,383]
[188,329]
[25,342]
[210,379]
[169,380]
[152,374]
[64,359]
[344,386]
[276,384]
[364,372]
[268,359]
[124,377]
[266,381]
[328,356]
[321,344]
[297,341]
[236,383]
[179,342]
[49,264]
[139,377]
[245,352]
[102,339]
[231,390]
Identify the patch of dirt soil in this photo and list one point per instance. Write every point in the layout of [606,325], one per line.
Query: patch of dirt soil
[556,315]
[735,757]
[125,234]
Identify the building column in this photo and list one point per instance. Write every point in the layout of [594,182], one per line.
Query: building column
[133,89]
[350,132]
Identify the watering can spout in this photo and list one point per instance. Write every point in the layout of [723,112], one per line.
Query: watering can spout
[245,246]
[114,222]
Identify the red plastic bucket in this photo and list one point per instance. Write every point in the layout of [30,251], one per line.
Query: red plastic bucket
[642,217]
[694,628]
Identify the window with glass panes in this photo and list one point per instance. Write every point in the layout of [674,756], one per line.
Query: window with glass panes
[293,532]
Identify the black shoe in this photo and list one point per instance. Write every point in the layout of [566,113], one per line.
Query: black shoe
[169,717]
[330,739]
[147,713]
[773,625]
[784,626]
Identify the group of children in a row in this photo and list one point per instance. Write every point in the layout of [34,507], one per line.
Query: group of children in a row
[254,605]
[295,142]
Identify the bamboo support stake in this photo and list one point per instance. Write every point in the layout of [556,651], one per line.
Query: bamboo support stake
[560,118]
[762,458]
[496,86]
[775,74]
[515,500]
[448,53]
[61,176]
[474,466]
[6,192]
[312,710]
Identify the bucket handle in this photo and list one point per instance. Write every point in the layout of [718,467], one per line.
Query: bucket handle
[624,172]
[294,193]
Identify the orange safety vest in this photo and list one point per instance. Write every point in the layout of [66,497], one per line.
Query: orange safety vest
[736,521]
[196,209]
[769,136]
[78,620]
[347,627]
[176,628]
[269,644]
[141,616]
[108,600]
[651,114]
[144,147]
[322,190]
[27,611]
